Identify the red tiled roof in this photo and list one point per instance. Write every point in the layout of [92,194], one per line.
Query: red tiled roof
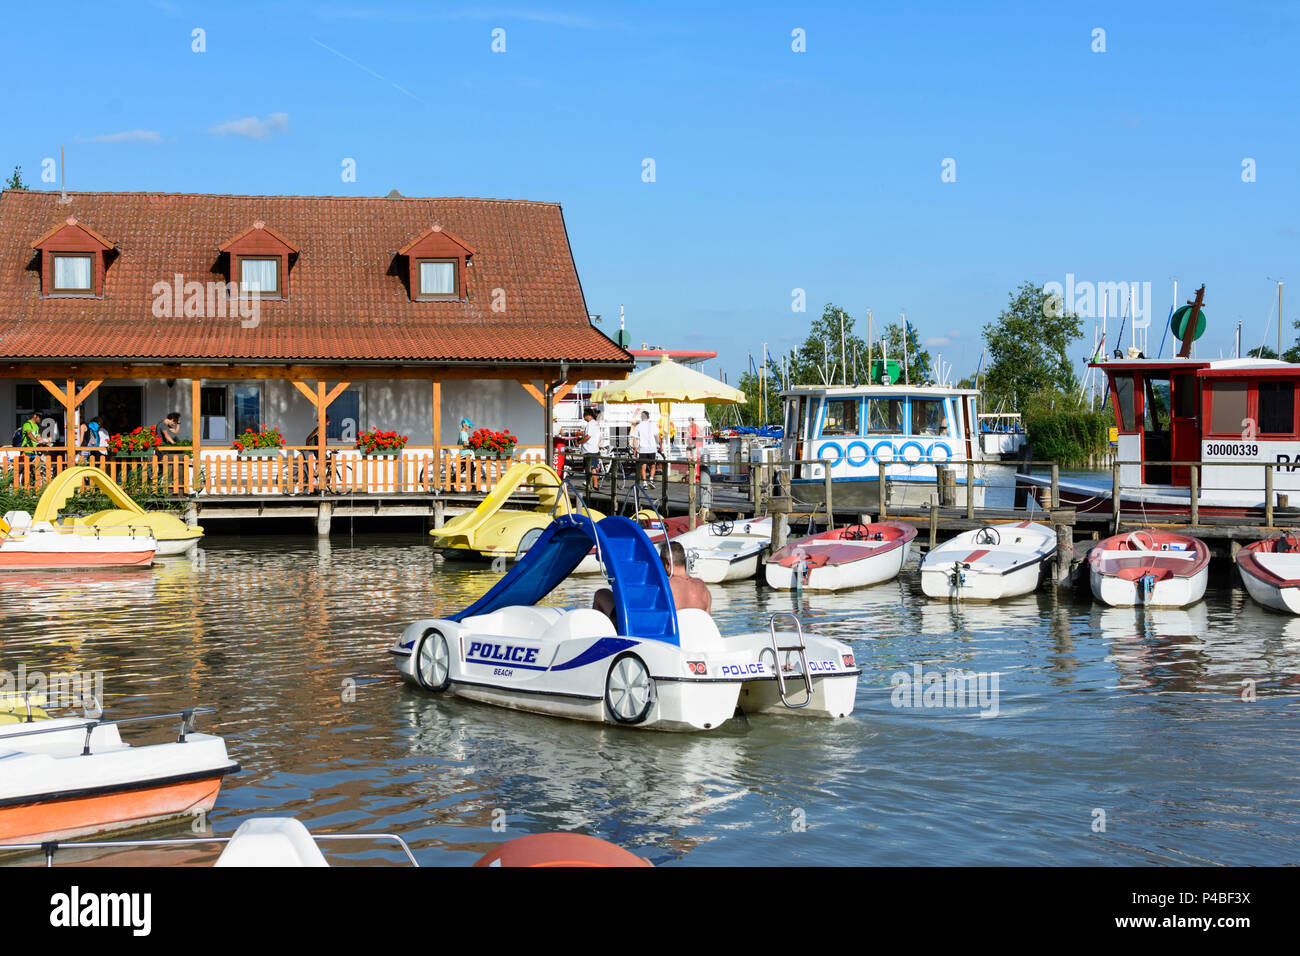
[347,298]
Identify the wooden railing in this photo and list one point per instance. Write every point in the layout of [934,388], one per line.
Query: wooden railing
[290,470]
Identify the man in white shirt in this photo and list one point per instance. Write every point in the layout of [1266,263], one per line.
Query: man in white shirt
[647,443]
[591,442]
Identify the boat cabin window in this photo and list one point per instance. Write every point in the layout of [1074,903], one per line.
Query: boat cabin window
[1227,407]
[885,415]
[1156,412]
[841,417]
[929,417]
[1276,408]
[1122,386]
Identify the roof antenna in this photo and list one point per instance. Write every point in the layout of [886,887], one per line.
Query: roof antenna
[63,186]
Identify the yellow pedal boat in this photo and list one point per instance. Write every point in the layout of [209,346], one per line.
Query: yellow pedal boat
[173,535]
[491,530]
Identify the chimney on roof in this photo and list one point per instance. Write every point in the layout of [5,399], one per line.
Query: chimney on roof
[394,195]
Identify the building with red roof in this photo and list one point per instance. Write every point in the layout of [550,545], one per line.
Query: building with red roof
[401,313]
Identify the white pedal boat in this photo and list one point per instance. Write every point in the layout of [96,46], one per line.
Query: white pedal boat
[27,545]
[1152,568]
[1270,569]
[990,563]
[658,668]
[726,550]
[851,557]
[62,777]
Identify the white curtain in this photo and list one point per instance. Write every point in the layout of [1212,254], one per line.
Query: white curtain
[258,275]
[437,278]
[72,272]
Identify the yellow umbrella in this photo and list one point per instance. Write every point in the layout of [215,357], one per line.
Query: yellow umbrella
[669,382]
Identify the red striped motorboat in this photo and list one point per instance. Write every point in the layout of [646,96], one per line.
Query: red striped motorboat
[1270,569]
[1156,568]
[851,557]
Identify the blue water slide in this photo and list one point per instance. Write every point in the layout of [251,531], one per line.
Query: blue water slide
[642,598]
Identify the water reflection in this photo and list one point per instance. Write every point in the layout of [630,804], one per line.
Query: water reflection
[1099,707]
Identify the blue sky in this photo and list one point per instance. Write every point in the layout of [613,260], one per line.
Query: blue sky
[774,170]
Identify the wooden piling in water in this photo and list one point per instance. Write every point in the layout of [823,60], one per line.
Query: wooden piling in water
[1194,492]
[690,494]
[883,491]
[830,507]
[1268,496]
[1114,497]
[934,526]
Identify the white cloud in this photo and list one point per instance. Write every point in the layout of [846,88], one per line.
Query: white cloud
[937,340]
[129,136]
[252,127]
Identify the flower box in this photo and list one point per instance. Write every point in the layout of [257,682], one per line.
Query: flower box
[383,453]
[259,453]
[132,455]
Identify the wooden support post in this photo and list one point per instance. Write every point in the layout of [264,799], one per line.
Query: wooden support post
[1064,553]
[690,494]
[970,490]
[753,488]
[934,526]
[883,490]
[1194,491]
[780,531]
[196,432]
[70,425]
[663,490]
[830,503]
[1268,496]
[437,428]
[324,511]
[1056,486]
[1114,495]
[439,513]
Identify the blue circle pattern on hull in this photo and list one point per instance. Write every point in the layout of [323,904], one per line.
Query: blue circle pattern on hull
[938,453]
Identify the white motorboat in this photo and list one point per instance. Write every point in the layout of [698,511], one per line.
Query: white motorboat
[989,563]
[1270,569]
[651,666]
[1154,568]
[725,550]
[68,776]
[850,557]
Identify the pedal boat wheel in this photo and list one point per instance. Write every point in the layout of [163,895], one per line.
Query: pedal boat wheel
[629,691]
[433,661]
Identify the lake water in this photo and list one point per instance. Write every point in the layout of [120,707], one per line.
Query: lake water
[1131,719]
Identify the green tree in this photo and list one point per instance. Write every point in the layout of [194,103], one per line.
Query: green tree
[15,180]
[1028,346]
[1265,352]
[918,361]
[818,360]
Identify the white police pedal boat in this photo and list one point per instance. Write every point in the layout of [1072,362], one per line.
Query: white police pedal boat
[658,667]
[989,563]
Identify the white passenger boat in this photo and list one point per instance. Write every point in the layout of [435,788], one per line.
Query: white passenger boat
[1270,569]
[851,431]
[1150,567]
[70,776]
[653,666]
[725,550]
[987,564]
[854,556]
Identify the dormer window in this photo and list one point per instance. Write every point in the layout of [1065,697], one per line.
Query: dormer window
[438,261]
[72,273]
[74,259]
[438,278]
[259,277]
[260,262]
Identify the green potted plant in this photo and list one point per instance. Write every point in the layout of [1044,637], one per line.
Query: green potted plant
[265,442]
[485,443]
[137,444]
[384,444]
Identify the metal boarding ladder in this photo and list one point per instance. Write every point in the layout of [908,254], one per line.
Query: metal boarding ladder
[801,649]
